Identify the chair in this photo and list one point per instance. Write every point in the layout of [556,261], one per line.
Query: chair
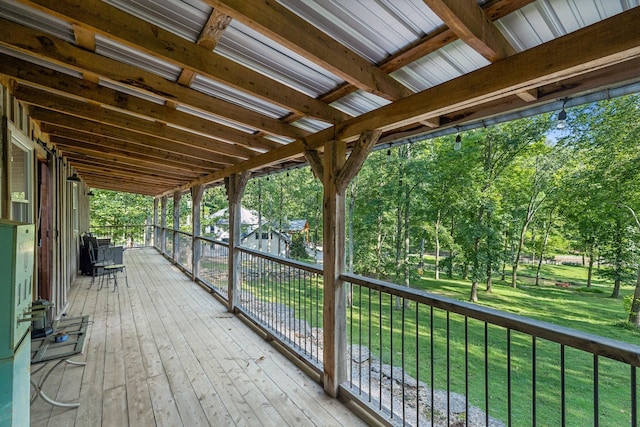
[97,265]
[113,266]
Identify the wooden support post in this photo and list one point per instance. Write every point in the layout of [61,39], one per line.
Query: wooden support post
[197,192]
[156,234]
[176,225]
[337,172]
[235,185]
[163,225]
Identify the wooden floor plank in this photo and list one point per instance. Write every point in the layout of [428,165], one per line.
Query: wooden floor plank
[164,352]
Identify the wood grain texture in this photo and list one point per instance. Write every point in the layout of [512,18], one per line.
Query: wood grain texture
[183,361]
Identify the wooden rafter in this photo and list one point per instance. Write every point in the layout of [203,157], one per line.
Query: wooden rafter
[47,47]
[102,18]
[298,35]
[57,82]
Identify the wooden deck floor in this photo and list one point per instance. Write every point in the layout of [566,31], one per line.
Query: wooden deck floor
[164,352]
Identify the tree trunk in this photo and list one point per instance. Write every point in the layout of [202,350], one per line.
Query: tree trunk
[516,260]
[547,231]
[437,258]
[634,314]
[504,262]
[590,268]
[618,260]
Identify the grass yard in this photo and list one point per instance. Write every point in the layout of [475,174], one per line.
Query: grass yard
[433,335]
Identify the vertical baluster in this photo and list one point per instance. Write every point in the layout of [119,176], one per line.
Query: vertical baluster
[563,400]
[486,373]
[432,373]
[448,365]
[533,380]
[596,397]
[466,371]
[634,397]
[509,377]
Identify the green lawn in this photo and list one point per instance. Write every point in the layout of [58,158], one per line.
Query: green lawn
[437,336]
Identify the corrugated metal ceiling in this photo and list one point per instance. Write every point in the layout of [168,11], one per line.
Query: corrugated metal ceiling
[376,30]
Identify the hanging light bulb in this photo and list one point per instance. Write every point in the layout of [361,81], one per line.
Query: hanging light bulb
[562,116]
[458,144]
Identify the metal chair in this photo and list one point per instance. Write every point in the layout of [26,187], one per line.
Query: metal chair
[112,268]
[97,265]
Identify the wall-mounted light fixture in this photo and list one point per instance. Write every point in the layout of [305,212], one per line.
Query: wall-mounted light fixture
[73,178]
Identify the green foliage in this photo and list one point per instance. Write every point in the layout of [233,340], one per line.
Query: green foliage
[297,249]
[114,209]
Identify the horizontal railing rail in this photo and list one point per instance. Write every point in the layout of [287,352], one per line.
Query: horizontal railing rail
[416,358]
[422,358]
[284,297]
[127,235]
[214,265]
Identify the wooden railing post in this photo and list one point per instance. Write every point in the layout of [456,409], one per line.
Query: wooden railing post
[163,225]
[197,192]
[176,225]
[156,208]
[235,185]
[336,172]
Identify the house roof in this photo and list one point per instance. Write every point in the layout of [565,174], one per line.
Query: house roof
[154,96]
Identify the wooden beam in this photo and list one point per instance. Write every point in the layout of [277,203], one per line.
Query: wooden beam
[90,140]
[49,48]
[102,115]
[136,33]
[610,42]
[51,80]
[293,32]
[213,29]
[356,159]
[467,19]
[235,186]
[71,122]
[315,161]
[334,304]
[107,154]
[431,42]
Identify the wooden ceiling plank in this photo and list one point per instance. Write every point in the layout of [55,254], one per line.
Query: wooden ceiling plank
[47,47]
[112,22]
[52,80]
[296,34]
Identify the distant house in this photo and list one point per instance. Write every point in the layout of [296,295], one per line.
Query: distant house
[300,226]
[269,240]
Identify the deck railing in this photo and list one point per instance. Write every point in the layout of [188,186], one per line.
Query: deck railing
[415,358]
[127,235]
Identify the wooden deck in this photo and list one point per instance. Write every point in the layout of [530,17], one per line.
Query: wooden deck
[164,352]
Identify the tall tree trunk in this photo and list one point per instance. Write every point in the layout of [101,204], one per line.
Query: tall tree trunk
[476,265]
[516,260]
[437,236]
[407,210]
[634,313]
[618,260]
[504,258]
[450,266]
[379,241]
[590,267]
[543,247]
